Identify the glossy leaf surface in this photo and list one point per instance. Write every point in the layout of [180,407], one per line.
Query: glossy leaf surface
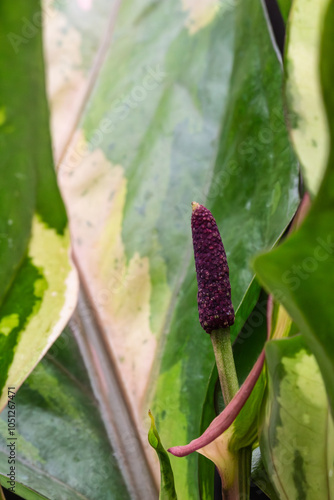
[38,283]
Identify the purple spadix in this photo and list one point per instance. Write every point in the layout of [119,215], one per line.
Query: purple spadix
[214,290]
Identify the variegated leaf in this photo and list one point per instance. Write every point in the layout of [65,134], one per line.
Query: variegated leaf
[297,434]
[39,285]
[306,109]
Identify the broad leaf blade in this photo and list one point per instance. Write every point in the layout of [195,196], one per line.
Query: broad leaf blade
[19,133]
[295,438]
[63,450]
[39,285]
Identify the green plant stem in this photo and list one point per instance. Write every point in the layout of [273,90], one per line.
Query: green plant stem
[222,347]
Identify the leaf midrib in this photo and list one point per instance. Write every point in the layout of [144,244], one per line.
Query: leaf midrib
[72,378]
[92,79]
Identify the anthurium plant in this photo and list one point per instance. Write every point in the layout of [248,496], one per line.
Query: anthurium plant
[124,310]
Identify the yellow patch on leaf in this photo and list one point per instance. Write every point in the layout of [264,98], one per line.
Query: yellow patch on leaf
[200,14]
[49,253]
[8,323]
[95,193]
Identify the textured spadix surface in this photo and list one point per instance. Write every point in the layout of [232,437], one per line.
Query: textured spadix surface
[214,289]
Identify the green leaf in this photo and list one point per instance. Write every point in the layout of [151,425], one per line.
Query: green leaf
[296,437]
[281,324]
[38,283]
[246,423]
[167,487]
[306,110]
[297,272]
[245,426]
[62,448]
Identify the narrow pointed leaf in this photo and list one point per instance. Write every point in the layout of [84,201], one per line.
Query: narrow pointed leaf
[63,451]
[167,487]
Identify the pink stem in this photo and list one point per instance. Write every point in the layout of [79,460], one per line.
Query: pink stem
[226,418]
